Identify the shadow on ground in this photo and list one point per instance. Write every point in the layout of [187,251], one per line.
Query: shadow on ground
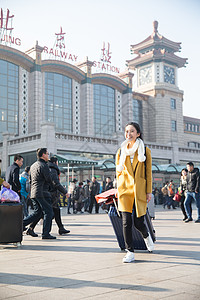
[56,282]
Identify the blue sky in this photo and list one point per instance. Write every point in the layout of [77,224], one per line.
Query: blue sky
[121,23]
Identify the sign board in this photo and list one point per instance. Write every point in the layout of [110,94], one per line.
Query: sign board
[6,29]
[59,51]
[104,63]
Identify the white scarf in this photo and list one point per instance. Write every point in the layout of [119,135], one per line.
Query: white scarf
[138,145]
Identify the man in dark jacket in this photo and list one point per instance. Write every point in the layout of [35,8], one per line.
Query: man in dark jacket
[94,190]
[40,179]
[55,191]
[87,195]
[193,191]
[12,173]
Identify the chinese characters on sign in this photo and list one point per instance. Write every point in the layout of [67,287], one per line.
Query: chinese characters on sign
[104,64]
[58,51]
[60,39]
[106,54]
[7,19]
[6,29]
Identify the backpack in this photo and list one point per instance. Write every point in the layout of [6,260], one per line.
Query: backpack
[75,194]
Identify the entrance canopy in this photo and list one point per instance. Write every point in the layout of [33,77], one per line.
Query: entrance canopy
[74,161]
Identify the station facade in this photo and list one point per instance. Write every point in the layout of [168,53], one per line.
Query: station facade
[72,110]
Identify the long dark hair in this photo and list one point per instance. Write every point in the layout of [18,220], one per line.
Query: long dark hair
[137,127]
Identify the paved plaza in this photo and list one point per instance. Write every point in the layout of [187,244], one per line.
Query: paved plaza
[87,264]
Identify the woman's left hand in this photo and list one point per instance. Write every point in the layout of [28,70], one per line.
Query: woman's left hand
[148,197]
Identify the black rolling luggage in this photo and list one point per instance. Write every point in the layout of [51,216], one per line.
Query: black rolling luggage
[138,241]
[11,223]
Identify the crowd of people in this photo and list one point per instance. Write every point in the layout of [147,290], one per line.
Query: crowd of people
[187,192]
[39,187]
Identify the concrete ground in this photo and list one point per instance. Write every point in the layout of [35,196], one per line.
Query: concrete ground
[87,263]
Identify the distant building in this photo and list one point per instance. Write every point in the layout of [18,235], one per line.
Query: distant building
[73,111]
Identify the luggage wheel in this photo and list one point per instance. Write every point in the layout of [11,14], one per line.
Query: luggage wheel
[18,244]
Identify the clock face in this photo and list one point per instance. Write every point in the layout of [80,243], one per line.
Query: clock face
[169,75]
[145,75]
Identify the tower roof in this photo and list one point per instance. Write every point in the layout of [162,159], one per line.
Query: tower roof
[155,48]
[155,41]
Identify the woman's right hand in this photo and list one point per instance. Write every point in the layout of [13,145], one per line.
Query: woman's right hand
[6,184]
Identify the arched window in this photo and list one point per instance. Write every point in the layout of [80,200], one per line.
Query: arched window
[104,110]
[58,101]
[9,97]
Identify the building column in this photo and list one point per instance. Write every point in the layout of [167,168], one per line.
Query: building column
[5,160]
[48,136]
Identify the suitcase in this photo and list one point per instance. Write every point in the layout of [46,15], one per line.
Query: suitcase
[11,223]
[151,207]
[138,241]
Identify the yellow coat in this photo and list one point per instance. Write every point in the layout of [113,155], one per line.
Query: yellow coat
[134,187]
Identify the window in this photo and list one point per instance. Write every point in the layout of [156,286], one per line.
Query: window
[58,101]
[173,125]
[193,145]
[173,103]
[104,110]
[137,112]
[9,97]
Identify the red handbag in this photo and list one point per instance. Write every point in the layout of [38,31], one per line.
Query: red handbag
[107,197]
[177,197]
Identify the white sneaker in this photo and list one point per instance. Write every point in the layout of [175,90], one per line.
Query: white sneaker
[149,243]
[129,257]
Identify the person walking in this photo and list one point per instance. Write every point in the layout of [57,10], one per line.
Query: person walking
[193,191]
[183,186]
[25,189]
[94,190]
[87,195]
[55,191]
[81,196]
[134,181]
[164,191]
[171,193]
[40,179]
[12,174]
[71,189]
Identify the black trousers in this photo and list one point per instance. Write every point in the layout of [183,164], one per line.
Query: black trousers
[127,221]
[92,202]
[42,206]
[57,216]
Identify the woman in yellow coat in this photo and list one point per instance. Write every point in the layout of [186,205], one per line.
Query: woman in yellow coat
[134,182]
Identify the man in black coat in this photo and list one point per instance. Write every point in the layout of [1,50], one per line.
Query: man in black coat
[55,191]
[94,190]
[193,191]
[12,173]
[40,179]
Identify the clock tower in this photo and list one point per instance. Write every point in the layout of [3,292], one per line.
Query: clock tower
[156,66]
